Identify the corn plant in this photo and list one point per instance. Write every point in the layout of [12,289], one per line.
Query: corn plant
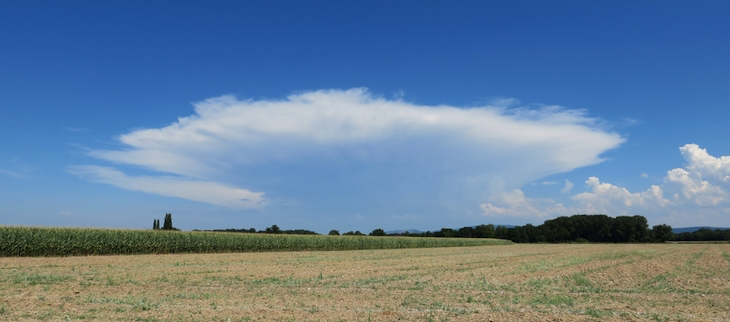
[35,241]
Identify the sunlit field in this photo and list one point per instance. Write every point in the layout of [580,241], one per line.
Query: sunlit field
[607,282]
[37,241]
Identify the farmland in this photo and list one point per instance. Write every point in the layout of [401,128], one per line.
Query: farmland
[567,282]
[35,241]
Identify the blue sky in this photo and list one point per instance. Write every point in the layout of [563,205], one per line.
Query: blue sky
[362,115]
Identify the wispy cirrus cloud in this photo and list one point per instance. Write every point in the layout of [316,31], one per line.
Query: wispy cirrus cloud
[11,173]
[15,168]
[328,145]
[197,190]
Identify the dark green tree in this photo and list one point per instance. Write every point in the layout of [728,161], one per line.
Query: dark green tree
[274,229]
[445,232]
[167,225]
[378,232]
[334,232]
[465,232]
[501,232]
[484,231]
[662,233]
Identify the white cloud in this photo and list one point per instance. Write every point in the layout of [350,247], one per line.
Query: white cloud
[694,189]
[514,203]
[629,121]
[331,140]
[644,175]
[695,194]
[209,192]
[549,183]
[703,164]
[698,190]
[568,186]
[605,198]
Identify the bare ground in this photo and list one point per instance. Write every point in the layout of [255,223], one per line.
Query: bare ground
[606,282]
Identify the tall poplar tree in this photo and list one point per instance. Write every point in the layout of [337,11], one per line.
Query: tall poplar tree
[167,225]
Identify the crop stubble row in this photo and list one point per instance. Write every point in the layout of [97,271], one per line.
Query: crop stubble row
[517,282]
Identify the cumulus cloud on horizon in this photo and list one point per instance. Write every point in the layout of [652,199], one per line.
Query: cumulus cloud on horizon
[697,193]
[235,153]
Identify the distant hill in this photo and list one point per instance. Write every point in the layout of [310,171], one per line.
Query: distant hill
[505,226]
[495,226]
[410,231]
[693,229]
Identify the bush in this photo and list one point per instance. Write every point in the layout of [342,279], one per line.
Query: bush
[580,240]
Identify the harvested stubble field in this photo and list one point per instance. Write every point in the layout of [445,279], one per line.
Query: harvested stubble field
[607,282]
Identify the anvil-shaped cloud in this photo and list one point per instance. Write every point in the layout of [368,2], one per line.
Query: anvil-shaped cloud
[318,146]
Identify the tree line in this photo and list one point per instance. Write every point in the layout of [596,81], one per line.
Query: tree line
[274,229]
[576,228]
[704,234]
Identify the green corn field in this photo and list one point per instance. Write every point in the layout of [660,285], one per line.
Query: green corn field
[35,241]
